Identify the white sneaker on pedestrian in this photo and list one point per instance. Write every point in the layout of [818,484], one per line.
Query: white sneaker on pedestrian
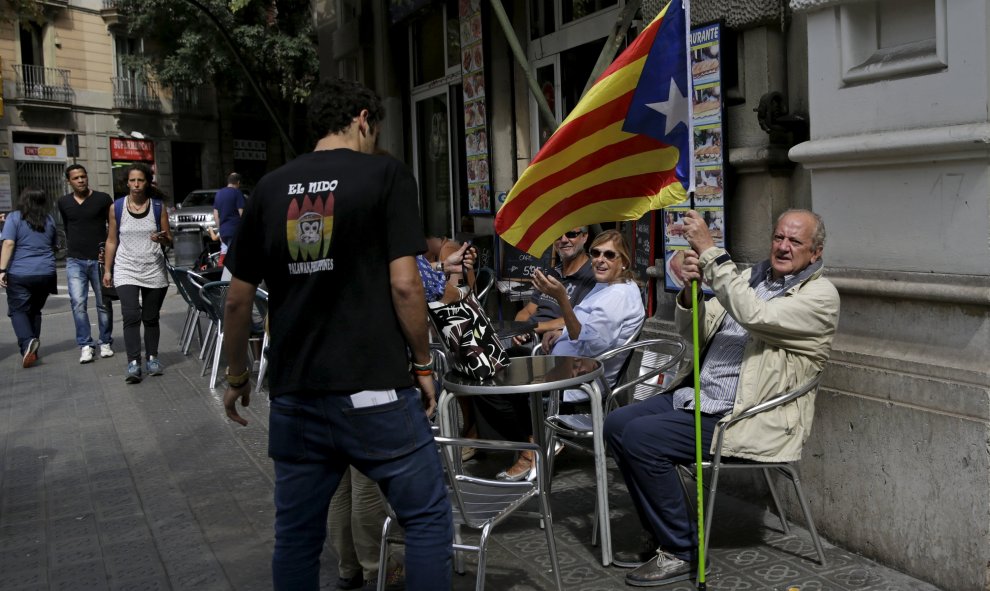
[85,355]
[106,351]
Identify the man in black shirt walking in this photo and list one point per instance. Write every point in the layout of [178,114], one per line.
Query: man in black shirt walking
[84,214]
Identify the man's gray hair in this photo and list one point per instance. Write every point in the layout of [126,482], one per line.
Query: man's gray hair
[233,178]
[818,237]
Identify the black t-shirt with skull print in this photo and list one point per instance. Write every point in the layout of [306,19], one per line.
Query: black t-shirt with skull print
[321,232]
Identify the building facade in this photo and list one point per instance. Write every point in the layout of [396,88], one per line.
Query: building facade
[69,96]
[871,112]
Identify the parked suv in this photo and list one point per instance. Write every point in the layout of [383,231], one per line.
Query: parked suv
[195,212]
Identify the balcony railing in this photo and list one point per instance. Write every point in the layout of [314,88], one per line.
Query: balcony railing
[187,100]
[47,85]
[135,94]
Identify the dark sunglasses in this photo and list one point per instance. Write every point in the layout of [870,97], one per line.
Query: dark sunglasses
[608,254]
[571,235]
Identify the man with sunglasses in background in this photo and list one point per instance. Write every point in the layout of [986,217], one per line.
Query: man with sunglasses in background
[574,271]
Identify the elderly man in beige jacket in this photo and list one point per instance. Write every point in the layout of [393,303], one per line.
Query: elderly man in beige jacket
[769,328]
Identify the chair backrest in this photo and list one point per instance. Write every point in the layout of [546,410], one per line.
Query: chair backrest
[483,283]
[260,314]
[215,295]
[180,283]
[193,283]
[648,364]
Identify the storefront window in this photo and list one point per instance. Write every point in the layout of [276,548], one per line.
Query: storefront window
[576,65]
[541,21]
[429,57]
[453,35]
[433,163]
[572,10]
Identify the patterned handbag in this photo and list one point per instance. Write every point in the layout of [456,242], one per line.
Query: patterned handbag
[472,345]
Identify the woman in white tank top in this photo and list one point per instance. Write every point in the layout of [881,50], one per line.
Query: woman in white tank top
[135,266]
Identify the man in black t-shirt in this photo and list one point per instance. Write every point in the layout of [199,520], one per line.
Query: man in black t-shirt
[84,215]
[334,234]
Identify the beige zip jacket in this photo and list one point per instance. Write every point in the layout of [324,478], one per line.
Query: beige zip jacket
[790,339]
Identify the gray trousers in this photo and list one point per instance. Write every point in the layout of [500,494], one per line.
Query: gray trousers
[357,514]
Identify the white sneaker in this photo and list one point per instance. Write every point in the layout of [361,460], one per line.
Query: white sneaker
[85,355]
[106,351]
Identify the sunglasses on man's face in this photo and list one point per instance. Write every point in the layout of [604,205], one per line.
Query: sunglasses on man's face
[571,235]
[608,254]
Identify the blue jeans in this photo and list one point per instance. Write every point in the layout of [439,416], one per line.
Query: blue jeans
[81,274]
[313,440]
[648,440]
[26,296]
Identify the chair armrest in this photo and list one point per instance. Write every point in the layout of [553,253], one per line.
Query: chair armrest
[676,356]
[778,400]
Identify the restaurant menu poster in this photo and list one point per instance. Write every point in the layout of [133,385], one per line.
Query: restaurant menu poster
[475,113]
[708,157]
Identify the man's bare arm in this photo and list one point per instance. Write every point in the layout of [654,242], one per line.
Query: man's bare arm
[409,301]
[237,330]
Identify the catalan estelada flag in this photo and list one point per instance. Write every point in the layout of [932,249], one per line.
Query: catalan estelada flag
[624,150]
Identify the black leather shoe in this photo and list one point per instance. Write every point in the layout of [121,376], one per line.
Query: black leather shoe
[645,549]
[355,582]
[662,569]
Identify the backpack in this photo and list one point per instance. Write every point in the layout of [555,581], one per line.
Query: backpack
[156,206]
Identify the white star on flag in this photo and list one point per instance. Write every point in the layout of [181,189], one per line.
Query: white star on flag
[674,109]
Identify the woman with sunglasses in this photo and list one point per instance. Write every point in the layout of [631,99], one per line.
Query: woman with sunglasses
[609,316]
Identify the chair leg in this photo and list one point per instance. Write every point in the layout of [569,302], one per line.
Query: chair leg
[209,335]
[383,555]
[458,554]
[217,352]
[262,364]
[710,510]
[211,342]
[186,326]
[796,479]
[195,330]
[551,541]
[776,501]
[479,584]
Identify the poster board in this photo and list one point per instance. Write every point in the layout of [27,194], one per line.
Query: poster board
[479,185]
[644,254]
[517,264]
[708,157]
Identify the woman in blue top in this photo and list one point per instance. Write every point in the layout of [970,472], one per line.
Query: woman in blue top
[27,267]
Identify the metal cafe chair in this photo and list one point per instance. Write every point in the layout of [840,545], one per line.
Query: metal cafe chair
[483,283]
[646,363]
[215,294]
[261,307]
[192,314]
[787,469]
[482,504]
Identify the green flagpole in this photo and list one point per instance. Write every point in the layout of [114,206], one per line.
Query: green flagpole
[697,429]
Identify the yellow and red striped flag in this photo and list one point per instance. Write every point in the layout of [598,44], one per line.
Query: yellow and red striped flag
[624,150]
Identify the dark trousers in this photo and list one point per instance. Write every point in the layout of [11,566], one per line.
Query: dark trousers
[26,296]
[313,439]
[503,417]
[648,440]
[136,312]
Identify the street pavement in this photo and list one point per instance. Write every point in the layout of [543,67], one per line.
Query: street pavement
[106,485]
